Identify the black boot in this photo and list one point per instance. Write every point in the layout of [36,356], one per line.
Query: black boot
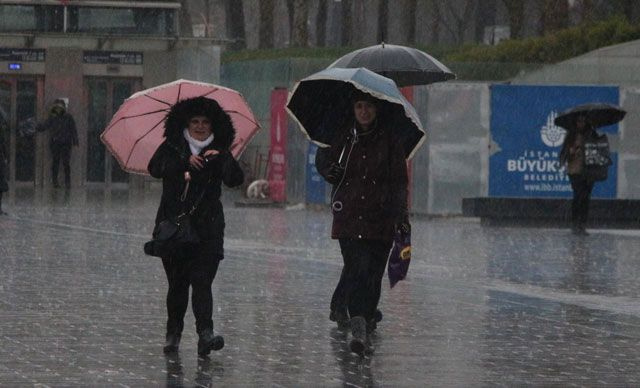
[173,341]
[359,343]
[341,318]
[372,324]
[208,342]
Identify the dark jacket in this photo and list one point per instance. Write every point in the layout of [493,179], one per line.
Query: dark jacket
[170,162]
[3,159]
[62,129]
[373,192]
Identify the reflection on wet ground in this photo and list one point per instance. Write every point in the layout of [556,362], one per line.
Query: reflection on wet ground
[81,305]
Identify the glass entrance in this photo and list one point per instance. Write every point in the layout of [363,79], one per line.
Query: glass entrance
[105,95]
[19,100]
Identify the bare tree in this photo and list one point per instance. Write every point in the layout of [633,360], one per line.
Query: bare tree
[515,8]
[186,29]
[347,23]
[299,31]
[457,17]
[321,22]
[401,21]
[235,24]
[486,16]
[266,23]
[383,20]
[554,15]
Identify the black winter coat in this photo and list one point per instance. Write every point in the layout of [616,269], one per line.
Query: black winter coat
[171,161]
[62,130]
[373,192]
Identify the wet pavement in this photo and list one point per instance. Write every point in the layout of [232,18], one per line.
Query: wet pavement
[81,305]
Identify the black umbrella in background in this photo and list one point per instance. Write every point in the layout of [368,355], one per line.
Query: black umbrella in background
[598,113]
[405,65]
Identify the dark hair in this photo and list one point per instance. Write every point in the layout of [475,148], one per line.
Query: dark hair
[359,95]
[179,115]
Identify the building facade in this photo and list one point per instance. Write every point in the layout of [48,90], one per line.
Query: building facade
[93,54]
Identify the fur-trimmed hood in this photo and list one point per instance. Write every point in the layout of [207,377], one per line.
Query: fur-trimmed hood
[178,117]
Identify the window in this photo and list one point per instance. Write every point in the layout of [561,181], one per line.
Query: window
[88,19]
[121,21]
[41,18]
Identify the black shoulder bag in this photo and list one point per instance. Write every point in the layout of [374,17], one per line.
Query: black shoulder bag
[174,236]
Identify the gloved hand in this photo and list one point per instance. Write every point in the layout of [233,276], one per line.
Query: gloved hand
[403,225]
[335,174]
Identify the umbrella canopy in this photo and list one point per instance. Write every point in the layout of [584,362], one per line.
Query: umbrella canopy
[405,65]
[321,104]
[599,114]
[137,128]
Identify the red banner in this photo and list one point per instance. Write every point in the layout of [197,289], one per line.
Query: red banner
[277,174]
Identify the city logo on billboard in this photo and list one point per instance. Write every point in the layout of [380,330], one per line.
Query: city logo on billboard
[551,134]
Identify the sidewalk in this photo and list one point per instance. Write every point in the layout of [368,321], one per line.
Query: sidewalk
[81,305]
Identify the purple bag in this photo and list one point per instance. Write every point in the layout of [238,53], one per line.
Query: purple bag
[400,257]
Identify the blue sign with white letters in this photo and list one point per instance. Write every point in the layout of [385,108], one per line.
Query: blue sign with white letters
[525,143]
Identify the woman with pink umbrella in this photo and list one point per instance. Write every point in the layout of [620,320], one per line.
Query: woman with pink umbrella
[193,162]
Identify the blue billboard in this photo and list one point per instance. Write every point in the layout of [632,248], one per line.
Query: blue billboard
[525,143]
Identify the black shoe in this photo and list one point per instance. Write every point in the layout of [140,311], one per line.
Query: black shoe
[56,185]
[3,213]
[208,342]
[341,318]
[359,343]
[173,341]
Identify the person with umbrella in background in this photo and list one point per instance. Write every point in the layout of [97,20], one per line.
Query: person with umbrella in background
[585,153]
[193,161]
[367,130]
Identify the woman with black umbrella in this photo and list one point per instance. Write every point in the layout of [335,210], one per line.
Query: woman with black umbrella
[193,162]
[366,165]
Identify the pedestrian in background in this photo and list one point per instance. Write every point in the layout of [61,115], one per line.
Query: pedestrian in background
[4,186]
[572,155]
[193,162]
[62,136]
[366,166]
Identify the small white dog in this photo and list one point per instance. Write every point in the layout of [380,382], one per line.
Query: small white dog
[258,189]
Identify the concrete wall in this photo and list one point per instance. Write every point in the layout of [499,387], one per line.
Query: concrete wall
[453,162]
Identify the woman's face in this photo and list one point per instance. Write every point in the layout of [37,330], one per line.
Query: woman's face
[365,112]
[199,128]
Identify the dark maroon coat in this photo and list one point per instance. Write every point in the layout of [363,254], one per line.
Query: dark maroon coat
[374,189]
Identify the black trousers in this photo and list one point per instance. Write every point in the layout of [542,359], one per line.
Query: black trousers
[61,153]
[196,270]
[360,283]
[581,196]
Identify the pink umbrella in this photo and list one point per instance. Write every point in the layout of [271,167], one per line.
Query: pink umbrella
[136,130]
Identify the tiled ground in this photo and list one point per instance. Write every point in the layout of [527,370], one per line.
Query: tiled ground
[81,305]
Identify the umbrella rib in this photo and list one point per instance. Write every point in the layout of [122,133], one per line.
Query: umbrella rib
[140,139]
[241,115]
[140,115]
[155,99]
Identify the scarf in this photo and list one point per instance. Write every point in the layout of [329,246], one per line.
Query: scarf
[196,145]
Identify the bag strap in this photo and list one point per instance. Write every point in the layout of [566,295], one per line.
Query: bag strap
[195,205]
